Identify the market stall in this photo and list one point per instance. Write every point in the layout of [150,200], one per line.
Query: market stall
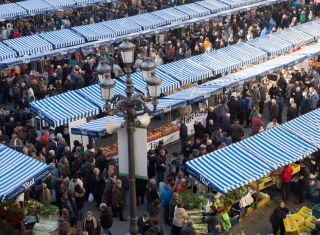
[243,169]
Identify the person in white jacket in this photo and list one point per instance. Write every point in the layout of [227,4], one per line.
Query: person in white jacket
[179,218]
[272,124]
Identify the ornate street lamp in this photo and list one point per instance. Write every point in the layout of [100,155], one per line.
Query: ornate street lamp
[130,107]
[147,67]
[105,81]
[154,88]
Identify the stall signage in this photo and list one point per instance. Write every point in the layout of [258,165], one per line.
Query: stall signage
[204,181]
[28,184]
[84,132]
[167,109]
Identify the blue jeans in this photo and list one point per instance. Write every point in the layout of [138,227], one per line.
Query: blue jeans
[106,231]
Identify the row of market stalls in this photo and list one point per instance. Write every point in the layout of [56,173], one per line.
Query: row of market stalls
[60,42]
[22,9]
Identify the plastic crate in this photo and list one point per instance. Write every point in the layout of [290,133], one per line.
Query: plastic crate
[304,229]
[264,201]
[299,219]
[305,210]
[295,168]
[310,222]
[305,215]
[290,224]
[316,211]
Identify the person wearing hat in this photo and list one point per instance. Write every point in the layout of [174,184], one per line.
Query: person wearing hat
[106,219]
[144,223]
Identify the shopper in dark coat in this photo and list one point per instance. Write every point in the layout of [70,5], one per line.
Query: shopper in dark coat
[273,112]
[96,185]
[151,164]
[151,192]
[212,219]
[183,134]
[236,131]
[144,223]
[277,216]
[155,229]
[106,218]
[233,109]
[199,130]
[118,200]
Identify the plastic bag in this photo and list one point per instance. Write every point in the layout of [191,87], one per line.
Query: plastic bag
[91,197]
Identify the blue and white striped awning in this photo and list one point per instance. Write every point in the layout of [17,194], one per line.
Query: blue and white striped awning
[35,7]
[239,55]
[191,95]
[227,169]
[122,26]
[168,83]
[256,54]
[237,3]
[95,32]
[251,159]
[213,5]
[6,53]
[61,4]
[96,128]
[228,61]
[193,10]
[284,61]
[148,21]
[277,147]
[210,63]
[310,51]
[93,93]
[29,45]
[306,127]
[62,38]
[166,105]
[61,109]
[272,45]
[186,71]
[88,2]
[171,15]
[292,38]
[312,28]
[10,11]
[18,173]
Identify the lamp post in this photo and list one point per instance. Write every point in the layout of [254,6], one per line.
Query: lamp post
[154,88]
[147,67]
[129,107]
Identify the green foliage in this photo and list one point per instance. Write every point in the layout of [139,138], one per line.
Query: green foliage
[192,201]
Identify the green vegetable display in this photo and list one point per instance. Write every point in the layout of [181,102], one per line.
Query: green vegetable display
[192,201]
[39,208]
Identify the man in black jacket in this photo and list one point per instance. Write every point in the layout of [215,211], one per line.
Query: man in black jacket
[183,135]
[144,223]
[277,216]
[106,218]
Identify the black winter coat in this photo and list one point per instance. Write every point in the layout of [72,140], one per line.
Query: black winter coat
[278,215]
[106,218]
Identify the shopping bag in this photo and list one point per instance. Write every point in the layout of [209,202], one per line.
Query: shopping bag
[91,197]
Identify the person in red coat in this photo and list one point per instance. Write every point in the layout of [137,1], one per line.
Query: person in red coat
[286,177]
[257,123]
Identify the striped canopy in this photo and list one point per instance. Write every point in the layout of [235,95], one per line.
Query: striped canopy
[166,105]
[190,95]
[168,83]
[88,2]
[93,32]
[171,15]
[210,63]
[239,55]
[273,46]
[29,45]
[11,10]
[296,38]
[62,38]
[96,128]
[93,93]
[35,7]
[6,53]
[226,60]
[186,71]
[310,51]
[18,173]
[61,109]
[255,54]
[312,28]
[61,4]
[193,10]
[250,159]
[237,3]
[122,26]
[148,21]
[213,5]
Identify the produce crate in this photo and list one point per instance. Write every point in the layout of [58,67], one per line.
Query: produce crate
[267,182]
[316,211]
[264,201]
[299,219]
[305,210]
[304,229]
[295,168]
[290,225]
[304,214]
[310,222]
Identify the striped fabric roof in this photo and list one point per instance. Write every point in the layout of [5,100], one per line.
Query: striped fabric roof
[210,63]
[190,95]
[237,3]
[249,160]
[166,105]
[169,18]
[96,128]
[176,13]
[168,83]
[35,6]
[6,52]
[29,45]
[193,10]
[61,109]
[239,55]
[226,60]
[213,5]
[18,173]
[312,28]
[292,37]
[11,10]
[94,32]
[272,45]
[310,51]
[148,21]
[88,2]
[186,71]
[122,26]
[62,38]
[256,54]
[60,4]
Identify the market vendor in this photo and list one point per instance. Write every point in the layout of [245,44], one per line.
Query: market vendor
[277,216]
